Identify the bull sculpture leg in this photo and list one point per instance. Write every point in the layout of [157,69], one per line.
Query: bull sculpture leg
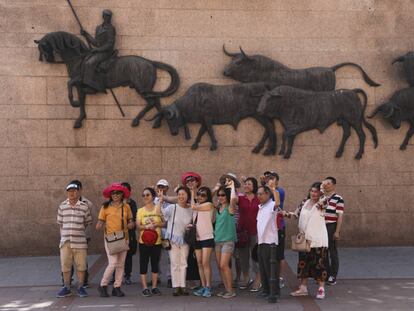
[345,135]
[269,133]
[82,115]
[290,136]
[198,138]
[151,102]
[283,147]
[210,132]
[410,133]
[186,132]
[361,136]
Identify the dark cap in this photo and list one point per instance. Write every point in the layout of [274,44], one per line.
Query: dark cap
[272,173]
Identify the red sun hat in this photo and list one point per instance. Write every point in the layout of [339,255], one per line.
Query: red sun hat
[116,187]
[191,174]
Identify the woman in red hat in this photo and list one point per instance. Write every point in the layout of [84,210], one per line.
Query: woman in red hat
[115,216]
[149,223]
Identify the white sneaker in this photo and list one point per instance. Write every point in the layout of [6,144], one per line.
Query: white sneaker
[302,291]
[321,293]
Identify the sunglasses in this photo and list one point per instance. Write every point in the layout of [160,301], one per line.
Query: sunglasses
[146,195]
[221,195]
[202,194]
[117,193]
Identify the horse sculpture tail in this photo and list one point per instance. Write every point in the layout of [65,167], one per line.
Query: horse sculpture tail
[175,81]
[370,127]
[364,74]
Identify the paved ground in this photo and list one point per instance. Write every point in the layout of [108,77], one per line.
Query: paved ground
[370,279]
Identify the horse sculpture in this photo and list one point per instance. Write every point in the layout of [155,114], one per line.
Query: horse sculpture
[134,71]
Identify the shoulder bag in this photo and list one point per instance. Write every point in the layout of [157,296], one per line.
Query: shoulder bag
[190,235]
[166,243]
[115,241]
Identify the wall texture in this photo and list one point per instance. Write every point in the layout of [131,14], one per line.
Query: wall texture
[40,151]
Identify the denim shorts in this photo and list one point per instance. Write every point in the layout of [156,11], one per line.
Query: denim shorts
[225,247]
[204,244]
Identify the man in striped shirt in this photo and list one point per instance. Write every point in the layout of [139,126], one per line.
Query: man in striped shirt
[333,218]
[73,217]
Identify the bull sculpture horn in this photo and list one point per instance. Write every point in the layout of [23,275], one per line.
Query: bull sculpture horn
[36,41]
[398,59]
[228,53]
[390,113]
[379,108]
[244,54]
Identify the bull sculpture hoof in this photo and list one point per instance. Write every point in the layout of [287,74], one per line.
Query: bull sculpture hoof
[75,103]
[403,147]
[77,125]
[194,147]
[286,156]
[358,156]
[269,152]
[135,122]
[213,147]
[338,154]
[256,149]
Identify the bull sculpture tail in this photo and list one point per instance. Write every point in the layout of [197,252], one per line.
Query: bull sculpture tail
[175,81]
[369,126]
[367,79]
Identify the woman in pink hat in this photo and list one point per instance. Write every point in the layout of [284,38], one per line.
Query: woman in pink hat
[115,216]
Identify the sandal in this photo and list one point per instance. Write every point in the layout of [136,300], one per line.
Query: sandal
[301,291]
[255,290]
[247,285]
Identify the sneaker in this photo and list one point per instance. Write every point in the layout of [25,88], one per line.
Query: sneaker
[85,285]
[82,292]
[301,291]
[116,292]
[146,293]
[103,291]
[128,280]
[207,292]
[229,295]
[220,294]
[281,283]
[199,292]
[247,285]
[64,292]
[155,291]
[321,293]
[264,294]
[332,280]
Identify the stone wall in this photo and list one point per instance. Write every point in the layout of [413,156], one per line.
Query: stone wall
[40,151]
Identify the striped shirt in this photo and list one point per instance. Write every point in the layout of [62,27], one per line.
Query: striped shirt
[73,221]
[334,207]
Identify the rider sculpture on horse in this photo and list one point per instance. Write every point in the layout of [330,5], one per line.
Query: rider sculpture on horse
[103,48]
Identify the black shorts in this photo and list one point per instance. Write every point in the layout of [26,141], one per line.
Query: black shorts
[281,245]
[204,244]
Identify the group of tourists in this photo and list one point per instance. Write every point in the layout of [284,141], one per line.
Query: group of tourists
[239,218]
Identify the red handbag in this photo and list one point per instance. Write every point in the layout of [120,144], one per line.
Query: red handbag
[149,237]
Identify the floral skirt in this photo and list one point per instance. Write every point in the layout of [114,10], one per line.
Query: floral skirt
[313,264]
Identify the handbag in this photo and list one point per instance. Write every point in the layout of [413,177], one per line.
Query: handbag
[115,241]
[166,243]
[300,244]
[149,237]
[190,235]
